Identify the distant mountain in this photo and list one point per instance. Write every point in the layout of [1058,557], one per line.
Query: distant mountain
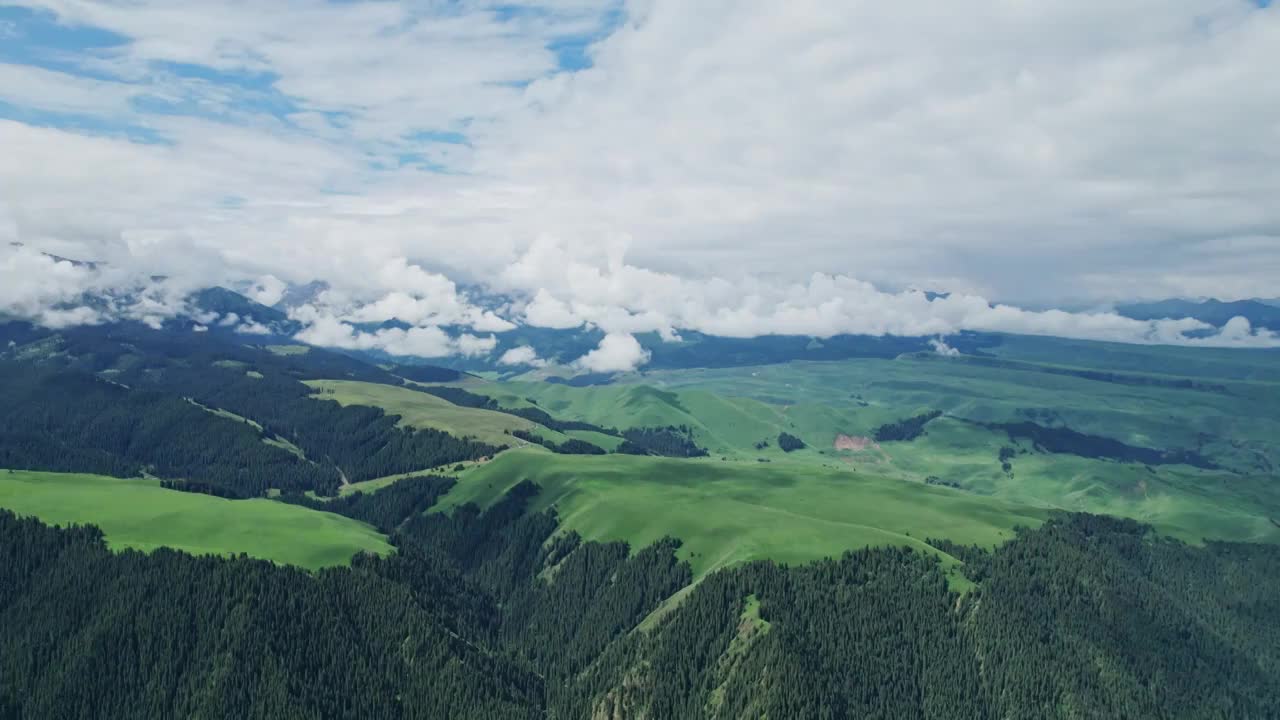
[236,310]
[296,295]
[1259,313]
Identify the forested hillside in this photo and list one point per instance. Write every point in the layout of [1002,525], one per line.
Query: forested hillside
[228,417]
[72,421]
[484,615]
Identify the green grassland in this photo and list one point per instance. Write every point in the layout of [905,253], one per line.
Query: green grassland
[1183,501]
[608,442]
[862,392]
[420,410]
[752,500]
[368,486]
[1228,416]
[723,424]
[138,513]
[1236,426]
[729,512]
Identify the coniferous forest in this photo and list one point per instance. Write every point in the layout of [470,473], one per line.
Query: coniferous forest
[491,614]
[124,400]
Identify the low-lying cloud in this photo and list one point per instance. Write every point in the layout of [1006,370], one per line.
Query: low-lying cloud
[617,352]
[423,342]
[522,355]
[941,347]
[425,314]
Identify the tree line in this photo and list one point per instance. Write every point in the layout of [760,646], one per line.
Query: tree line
[496,612]
[572,446]
[670,441]
[905,429]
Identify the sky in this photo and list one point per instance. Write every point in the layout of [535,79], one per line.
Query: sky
[738,168]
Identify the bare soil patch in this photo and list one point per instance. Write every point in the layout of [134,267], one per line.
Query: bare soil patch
[858,443]
[854,442]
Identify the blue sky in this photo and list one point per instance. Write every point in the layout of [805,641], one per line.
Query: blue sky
[42,38]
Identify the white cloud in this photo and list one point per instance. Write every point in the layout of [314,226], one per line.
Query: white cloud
[488,321]
[548,312]
[941,347]
[523,355]
[1238,333]
[472,346]
[621,298]
[267,290]
[33,286]
[250,327]
[423,299]
[617,352]
[33,87]
[695,177]
[428,342]
[59,293]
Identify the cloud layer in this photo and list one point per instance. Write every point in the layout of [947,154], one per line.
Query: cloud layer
[738,168]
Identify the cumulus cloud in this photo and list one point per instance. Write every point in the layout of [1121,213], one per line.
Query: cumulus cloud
[472,346]
[693,176]
[617,352]
[415,297]
[34,286]
[548,312]
[57,293]
[522,355]
[618,297]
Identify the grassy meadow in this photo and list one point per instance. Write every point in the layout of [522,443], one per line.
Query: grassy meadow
[421,410]
[964,478]
[1230,413]
[729,512]
[139,514]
